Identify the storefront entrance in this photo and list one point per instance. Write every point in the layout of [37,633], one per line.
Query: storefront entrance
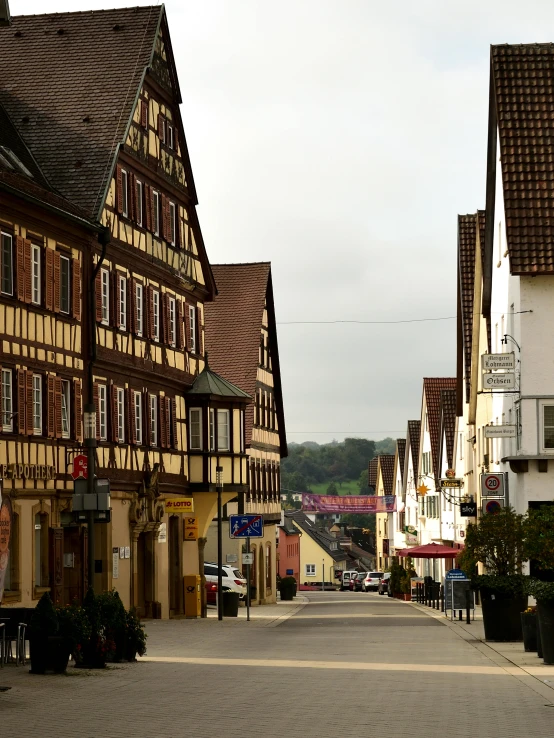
[175,568]
[74,564]
[145,575]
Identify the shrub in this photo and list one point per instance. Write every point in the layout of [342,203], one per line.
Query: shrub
[135,637]
[75,628]
[497,541]
[44,620]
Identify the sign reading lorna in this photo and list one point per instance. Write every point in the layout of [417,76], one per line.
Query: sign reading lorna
[348,504]
[5,532]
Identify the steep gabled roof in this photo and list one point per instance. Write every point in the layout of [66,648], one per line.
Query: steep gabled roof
[467,232]
[414,430]
[323,539]
[70,82]
[372,472]
[233,330]
[386,470]
[400,455]
[432,388]
[521,104]
[448,424]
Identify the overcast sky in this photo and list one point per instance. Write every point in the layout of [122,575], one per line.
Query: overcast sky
[339,139]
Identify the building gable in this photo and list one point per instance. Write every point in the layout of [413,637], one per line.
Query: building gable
[432,388]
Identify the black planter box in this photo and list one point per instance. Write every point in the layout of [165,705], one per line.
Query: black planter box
[529,629]
[502,617]
[545,613]
[50,654]
[230,604]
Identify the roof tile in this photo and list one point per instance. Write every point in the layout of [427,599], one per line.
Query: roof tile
[432,387]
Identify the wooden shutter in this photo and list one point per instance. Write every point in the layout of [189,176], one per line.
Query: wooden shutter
[152,205]
[179,322]
[161,128]
[29,402]
[199,337]
[51,406]
[96,408]
[132,417]
[132,298]
[117,301]
[164,299]
[175,139]
[119,189]
[177,225]
[164,440]
[148,206]
[98,296]
[113,414]
[21,414]
[49,299]
[151,327]
[187,327]
[132,199]
[76,291]
[58,401]
[55,564]
[163,224]
[28,272]
[77,410]
[167,219]
[57,281]
[144,113]
[173,416]
[20,259]
[147,440]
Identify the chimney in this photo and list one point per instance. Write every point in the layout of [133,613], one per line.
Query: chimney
[5,19]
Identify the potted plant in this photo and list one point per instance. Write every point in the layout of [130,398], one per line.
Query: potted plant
[397,573]
[97,649]
[287,588]
[135,637]
[529,628]
[113,619]
[539,548]
[496,541]
[74,626]
[49,649]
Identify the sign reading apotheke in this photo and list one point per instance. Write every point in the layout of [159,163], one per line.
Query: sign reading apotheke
[499,381]
[27,471]
[500,431]
[489,362]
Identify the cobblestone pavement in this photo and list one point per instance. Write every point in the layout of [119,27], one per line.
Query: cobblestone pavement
[334,664]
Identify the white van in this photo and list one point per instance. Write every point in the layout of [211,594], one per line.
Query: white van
[345,579]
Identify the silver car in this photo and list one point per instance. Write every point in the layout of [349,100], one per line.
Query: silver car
[371,582]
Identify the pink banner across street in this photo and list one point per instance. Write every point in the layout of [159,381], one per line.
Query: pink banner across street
[348,503]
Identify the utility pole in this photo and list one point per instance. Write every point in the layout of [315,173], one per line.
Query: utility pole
[219,487]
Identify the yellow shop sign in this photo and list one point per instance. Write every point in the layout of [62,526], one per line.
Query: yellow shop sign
[179,505]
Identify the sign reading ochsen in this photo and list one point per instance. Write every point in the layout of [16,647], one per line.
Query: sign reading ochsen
[348,503]
[501,381]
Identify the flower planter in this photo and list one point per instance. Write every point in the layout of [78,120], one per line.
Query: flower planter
[230,604]
[529,630]
[545,613]
[539,644]
[50,654]
[407,597]
[501,616]
[287,594]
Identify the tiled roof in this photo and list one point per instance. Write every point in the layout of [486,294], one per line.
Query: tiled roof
[69,83]
[432,387]
[467,231]
[448,423]
[372,472]
[386,469]
[414,430]
[523,89]
[481,214]
[401,455]
[321,537]
[233,330]
[212,384]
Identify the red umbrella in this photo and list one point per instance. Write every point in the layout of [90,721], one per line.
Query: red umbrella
[429,551]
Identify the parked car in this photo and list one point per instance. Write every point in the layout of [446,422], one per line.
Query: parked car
[358,581]
[345,580]
[232,578]
[211,592]
[384,584]
[371,581]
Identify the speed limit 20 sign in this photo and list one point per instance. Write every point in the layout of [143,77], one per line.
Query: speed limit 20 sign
[492,485]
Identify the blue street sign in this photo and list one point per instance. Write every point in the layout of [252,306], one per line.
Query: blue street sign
[455,574]
[246,526]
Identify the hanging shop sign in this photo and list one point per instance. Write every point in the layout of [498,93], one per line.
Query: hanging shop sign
[5,533]
[468,509]
[179,505]
[27,471]
[190,528]
[490,362]
[348,503]
[500,431]
[505,381]
[450,483]
[411,534]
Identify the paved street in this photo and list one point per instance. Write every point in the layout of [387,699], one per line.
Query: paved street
[336,664]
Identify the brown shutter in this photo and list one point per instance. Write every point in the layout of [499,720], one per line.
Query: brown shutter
[49,299]
[117,321]
[58,401]
[177,225]
[132,288]
[151,327]
[165,316]
[161,128]
[28,272]
[131,415]
[179,322]
[29,401]
[51,406]
[163,224]
[131,196]
[76,292]
[57,283]
[173,412]
[148,206]
[144,114]
[96,408]
[136,203]
[119,189]
[147,420]
[152,210]
[167,219]
[20,250]
[187,327]
[98,296]
[199,337]
[175,139]
[113,413]
[163,423]
[77,410]
[21,414]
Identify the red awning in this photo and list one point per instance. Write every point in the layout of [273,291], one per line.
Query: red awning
[429,551]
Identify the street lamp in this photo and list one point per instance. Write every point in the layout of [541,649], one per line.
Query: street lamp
[219,488]
[89,432]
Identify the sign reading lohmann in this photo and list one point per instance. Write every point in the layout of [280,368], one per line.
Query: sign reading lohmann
[489,362]
[179,505]
[348,503]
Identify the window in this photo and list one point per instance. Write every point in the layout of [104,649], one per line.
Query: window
[172,325]
[105,296]
[35,274]
[223,430]
[138,417]
[7,401]
[6,265]
[65,289]
[242,431]
[170,137]
[139,202]
[41,550]
[310,570]
[172,222]
[192,321]
[212,429]
[195,416]
[124,192]
[103,412]
[548,427]
[156,309]
[156,197]
[120,399]
[122,317]
[65,408]
[140,307]
[153,420]
[37,404]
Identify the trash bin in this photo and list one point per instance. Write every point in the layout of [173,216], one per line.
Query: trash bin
[230,604]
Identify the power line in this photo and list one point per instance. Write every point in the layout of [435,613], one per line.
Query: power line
[350,431]
[386,322]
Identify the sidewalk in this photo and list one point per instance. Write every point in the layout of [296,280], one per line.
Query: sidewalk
[267,615]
